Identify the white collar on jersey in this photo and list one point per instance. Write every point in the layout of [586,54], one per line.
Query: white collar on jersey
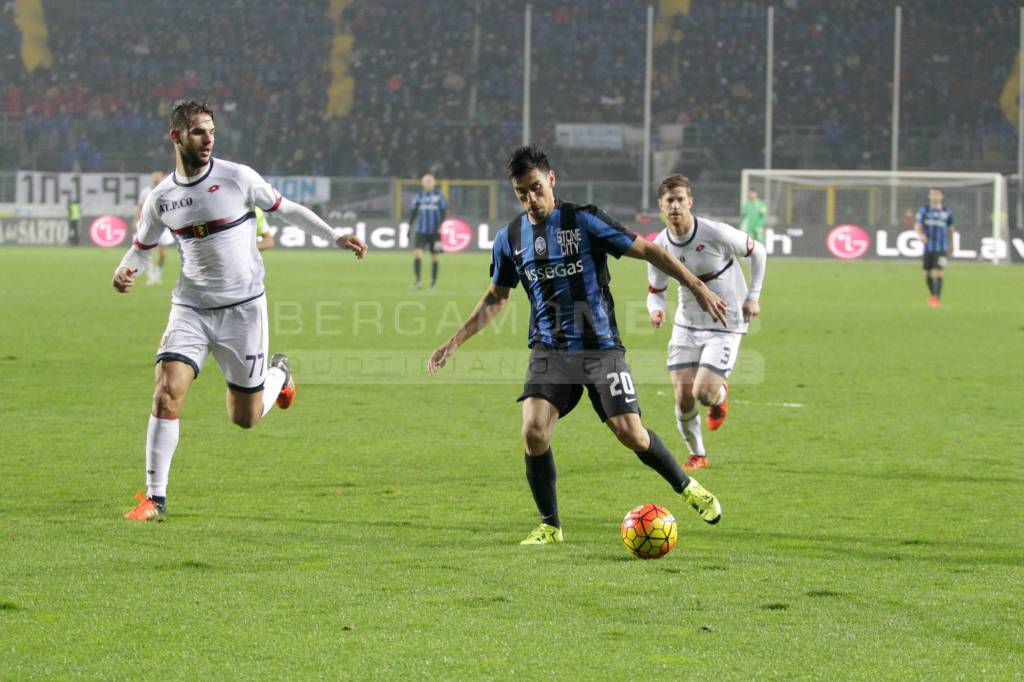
[192,180]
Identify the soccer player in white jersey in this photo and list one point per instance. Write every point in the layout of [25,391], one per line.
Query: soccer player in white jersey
[219,304]
[156,266]
[703,351]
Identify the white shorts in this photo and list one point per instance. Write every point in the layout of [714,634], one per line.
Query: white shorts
[166,238]
[238,336]
[702,348]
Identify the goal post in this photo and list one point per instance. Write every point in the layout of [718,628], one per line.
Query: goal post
[876,209]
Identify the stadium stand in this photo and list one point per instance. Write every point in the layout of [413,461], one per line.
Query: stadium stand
[396,88]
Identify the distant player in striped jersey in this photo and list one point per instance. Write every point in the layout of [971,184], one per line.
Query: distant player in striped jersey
[559,251]
[428,212]
[935,229]
[219,305]
[702,350]
[156,265]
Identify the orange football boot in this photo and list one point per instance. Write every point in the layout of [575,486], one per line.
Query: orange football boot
[716,413]
[147,510]
[287,395]
[695,462]
[933,301]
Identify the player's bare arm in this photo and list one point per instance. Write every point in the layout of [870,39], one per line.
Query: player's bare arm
[135,259]
[353,244]
[708,300]
[490,304]
[751,309]
[919,229]
[124,279]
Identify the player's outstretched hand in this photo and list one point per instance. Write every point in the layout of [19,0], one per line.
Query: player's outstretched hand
[352,243]
[440,356]
[710,302]
[124,279]
[657,318]
[751,309]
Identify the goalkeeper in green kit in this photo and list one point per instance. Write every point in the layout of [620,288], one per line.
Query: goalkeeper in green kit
[752,216]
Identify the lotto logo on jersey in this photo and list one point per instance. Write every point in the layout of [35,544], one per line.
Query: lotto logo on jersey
[455,235]
[847,242]
[107,231]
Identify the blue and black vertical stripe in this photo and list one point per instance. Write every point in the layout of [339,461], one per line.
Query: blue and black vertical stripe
[936,222]
[428,211]
[563,266]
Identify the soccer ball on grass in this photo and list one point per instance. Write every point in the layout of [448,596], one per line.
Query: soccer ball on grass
[649,531]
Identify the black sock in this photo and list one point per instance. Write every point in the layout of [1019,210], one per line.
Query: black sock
[661,460]
[161,501]
[938,286]
[931,284]
[540,472]
[416,268]
[433,273]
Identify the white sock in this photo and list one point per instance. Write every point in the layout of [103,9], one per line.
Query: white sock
[689,428]
[271,387]
[161,441]
[721,396]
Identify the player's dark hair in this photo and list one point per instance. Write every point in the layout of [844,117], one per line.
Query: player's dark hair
[525,159]
[673,181]
[183,111]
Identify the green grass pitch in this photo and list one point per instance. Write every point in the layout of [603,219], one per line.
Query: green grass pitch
[871,471]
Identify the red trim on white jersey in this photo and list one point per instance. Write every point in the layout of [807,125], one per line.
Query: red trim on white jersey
[750,246]
[143,247]
[653,290]
[277,204]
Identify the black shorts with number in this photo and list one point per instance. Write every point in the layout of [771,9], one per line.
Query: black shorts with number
[936,260]
[429,241]
[560,376]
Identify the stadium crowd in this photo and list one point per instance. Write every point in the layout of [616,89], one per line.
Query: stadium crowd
[438,85]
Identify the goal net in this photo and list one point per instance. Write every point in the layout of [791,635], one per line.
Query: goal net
[871,214]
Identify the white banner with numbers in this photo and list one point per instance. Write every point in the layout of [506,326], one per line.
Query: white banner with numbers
[96,192]
[119,192]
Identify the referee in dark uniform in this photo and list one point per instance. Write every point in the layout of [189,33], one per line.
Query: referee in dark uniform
[428,212]
[934,227]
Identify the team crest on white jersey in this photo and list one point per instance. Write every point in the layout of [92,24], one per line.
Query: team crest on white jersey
[540,245]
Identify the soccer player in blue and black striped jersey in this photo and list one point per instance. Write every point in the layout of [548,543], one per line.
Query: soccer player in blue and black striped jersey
[935,229]
[428,212]
[559,251]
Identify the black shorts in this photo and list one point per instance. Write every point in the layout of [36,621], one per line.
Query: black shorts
[560,376]
[936,260]
[428,241]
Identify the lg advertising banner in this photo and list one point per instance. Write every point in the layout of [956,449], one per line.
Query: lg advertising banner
[842,242]
[115,231]
[852,242]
